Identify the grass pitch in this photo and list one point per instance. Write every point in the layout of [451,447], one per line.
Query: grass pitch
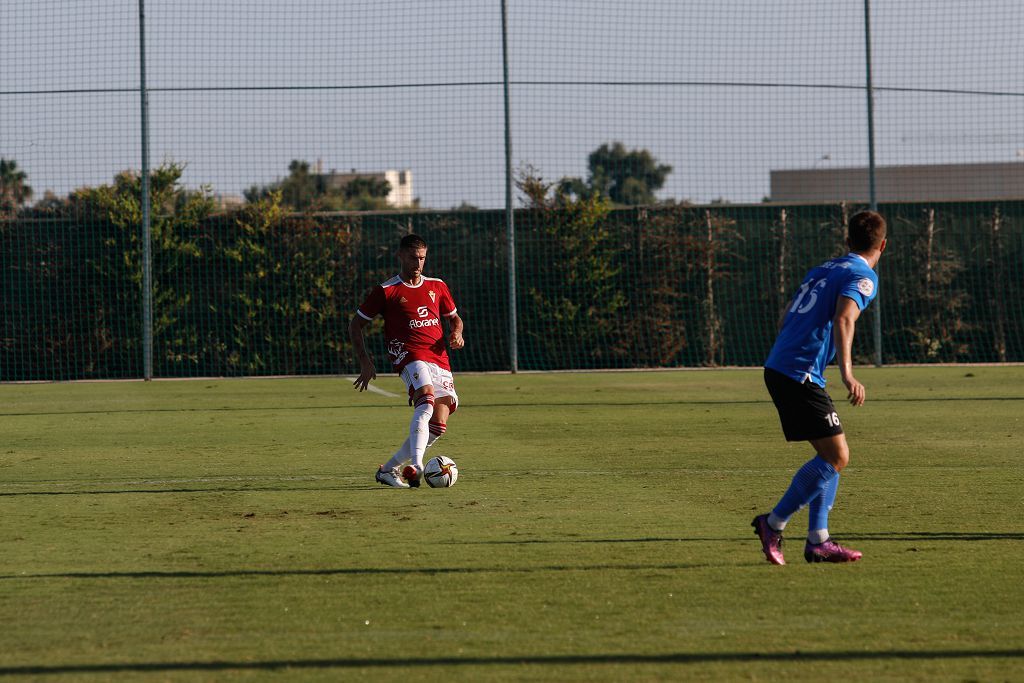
[231,530]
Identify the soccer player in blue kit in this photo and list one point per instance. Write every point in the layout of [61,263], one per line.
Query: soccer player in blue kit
[819,325]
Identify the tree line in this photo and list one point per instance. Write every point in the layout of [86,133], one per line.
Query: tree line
[265,290]
[626,177]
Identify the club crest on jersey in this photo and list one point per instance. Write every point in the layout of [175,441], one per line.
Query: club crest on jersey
[866,287]
[432,295]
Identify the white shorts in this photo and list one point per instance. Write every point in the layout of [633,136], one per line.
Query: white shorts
[420,373]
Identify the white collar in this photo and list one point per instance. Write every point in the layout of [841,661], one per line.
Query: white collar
[417,286]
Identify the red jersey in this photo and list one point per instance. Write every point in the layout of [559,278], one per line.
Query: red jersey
[412,319]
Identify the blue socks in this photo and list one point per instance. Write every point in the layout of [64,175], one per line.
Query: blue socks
[811,481]
[817,520]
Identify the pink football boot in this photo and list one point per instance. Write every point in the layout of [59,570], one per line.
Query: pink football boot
[830,551]
[771,540]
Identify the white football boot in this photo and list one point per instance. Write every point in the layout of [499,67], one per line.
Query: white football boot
[390,478]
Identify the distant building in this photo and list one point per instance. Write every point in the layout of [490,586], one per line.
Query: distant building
[399,196]
[226,202]
[913,183]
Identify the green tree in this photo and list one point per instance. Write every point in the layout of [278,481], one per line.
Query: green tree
[933,306]
[176,215]
[50,204]
[575,300]
[714,250]
[300,190]
[364,193]
[657,242]
[285,291]
[996,261]
[14,191]
[626,177]
[304,191]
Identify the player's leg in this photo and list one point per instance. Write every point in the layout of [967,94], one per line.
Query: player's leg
[817,512]
[807,414]
[417,378]
[820,547]
[400,457]
[833,449]
[439,420]
[812,479]
[419,431]
[446,402]
[424,380]
[437,426]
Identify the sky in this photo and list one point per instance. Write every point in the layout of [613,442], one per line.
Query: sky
[724,91]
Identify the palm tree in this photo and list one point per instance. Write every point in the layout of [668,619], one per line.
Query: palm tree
[13,190]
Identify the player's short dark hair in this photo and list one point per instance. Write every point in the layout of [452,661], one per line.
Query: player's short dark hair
[412,241]
[866,231]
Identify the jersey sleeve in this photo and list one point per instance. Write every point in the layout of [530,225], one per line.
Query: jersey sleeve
[862,288]
[447,304]
[373,305]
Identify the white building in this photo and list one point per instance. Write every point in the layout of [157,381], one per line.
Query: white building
[400,194]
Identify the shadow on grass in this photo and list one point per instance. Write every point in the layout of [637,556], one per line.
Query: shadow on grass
[218,489]
[902,536]
[562,541]
[360,571]
[541,660]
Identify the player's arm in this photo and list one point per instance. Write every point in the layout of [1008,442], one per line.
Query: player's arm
[455,339]
[367,370]
[843,324]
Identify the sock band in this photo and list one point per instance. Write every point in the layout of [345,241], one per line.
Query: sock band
[424,399]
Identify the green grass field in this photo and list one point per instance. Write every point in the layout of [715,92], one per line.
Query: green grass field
[231,530]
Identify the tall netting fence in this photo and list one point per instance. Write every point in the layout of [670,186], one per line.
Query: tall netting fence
[676,168]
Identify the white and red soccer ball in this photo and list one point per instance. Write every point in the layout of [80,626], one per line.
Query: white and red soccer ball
[441,472]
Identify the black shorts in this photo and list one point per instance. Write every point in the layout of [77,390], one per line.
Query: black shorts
[805,410]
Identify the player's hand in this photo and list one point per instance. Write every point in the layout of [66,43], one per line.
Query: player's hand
[456,341]
[367,372]
[856,392]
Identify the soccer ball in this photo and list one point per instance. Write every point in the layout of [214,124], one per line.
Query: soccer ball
[441,472]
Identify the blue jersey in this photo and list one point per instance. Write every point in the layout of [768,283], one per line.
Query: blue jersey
[805,345]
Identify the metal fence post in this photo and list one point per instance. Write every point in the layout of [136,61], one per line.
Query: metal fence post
[147,255]
[510,222]
[872,196]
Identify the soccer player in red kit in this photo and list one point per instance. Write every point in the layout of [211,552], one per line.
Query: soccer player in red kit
[412,306]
